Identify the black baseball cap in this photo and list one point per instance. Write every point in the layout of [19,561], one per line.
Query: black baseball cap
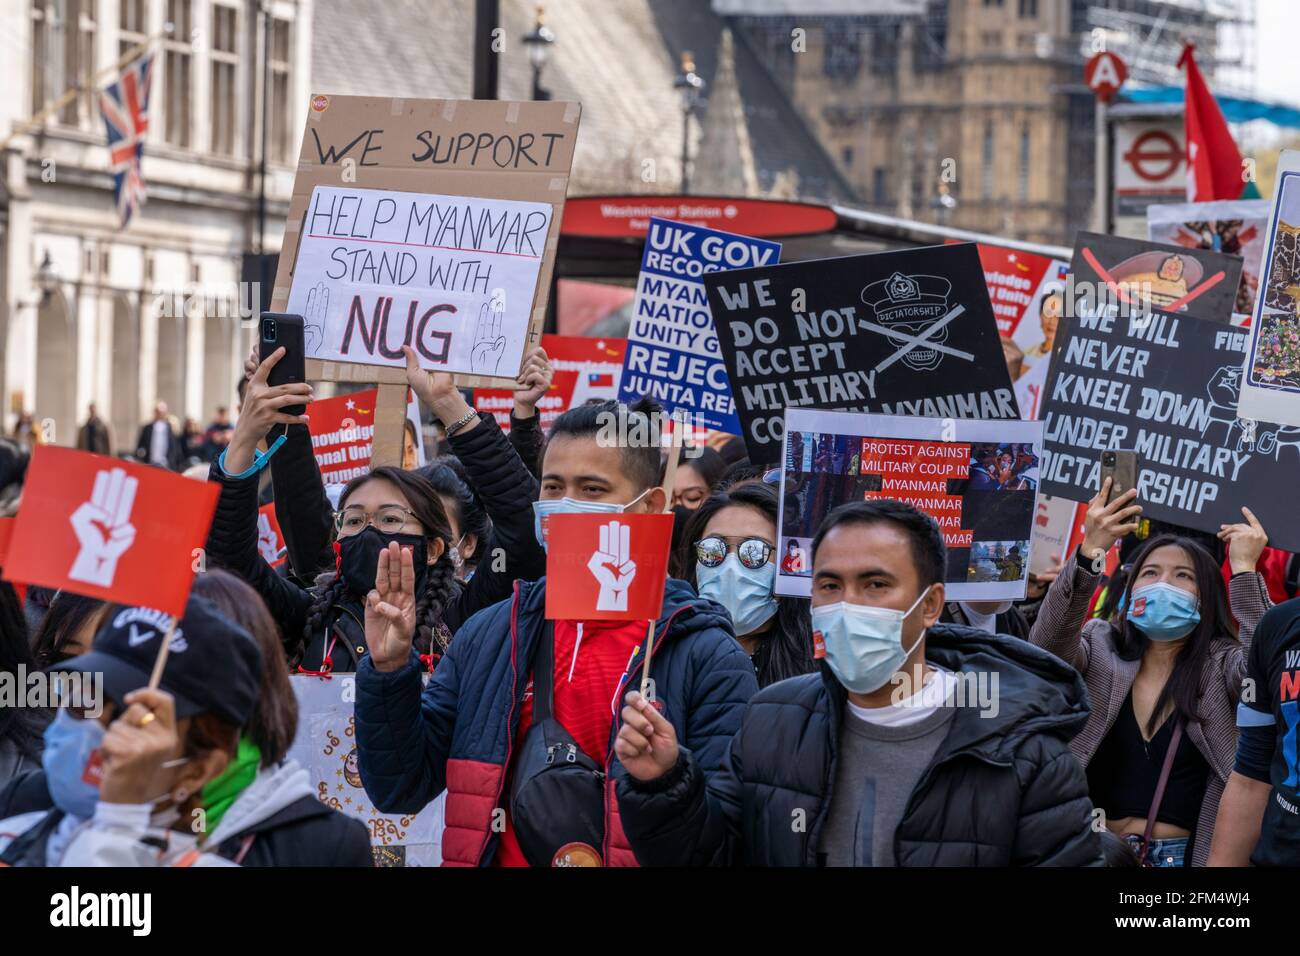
[214,666]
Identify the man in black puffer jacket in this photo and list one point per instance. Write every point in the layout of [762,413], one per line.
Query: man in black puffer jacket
[851,766]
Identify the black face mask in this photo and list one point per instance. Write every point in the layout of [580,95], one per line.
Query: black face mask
[359,558]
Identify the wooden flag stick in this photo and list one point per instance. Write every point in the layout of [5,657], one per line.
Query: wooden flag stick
[645,664]
[161,661]
[670,479]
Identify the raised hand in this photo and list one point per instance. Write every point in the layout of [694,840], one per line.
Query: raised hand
[489,343]
[437,390]
[613,566]
[646,744]
[390,609]
[262,411]
[1246,542]
[533,381]
[1107,521]
[136,745]
[103,527]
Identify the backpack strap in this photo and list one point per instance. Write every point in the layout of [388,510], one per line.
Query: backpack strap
[544,675]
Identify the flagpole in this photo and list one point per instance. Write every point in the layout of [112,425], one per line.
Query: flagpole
[51,108]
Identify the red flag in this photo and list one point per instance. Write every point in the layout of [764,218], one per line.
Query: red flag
[6,534]
[606,567]
[111,529]
[1213,161]
[270,539]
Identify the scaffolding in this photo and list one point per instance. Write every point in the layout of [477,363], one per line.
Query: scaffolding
[1149,36]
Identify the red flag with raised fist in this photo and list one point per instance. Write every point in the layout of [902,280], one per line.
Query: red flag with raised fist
[110,529]
[606,567]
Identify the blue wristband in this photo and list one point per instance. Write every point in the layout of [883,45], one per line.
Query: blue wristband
[260,458]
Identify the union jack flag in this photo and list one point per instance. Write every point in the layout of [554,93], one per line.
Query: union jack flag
[125,105]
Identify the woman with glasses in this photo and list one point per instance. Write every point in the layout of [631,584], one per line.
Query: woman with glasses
[730,557]
[324,625]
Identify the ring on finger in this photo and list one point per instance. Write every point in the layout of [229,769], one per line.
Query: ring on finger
[147,719]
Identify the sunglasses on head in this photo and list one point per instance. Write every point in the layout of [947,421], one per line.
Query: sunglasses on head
[752,552]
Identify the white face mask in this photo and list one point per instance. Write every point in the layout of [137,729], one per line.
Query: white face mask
[863,645]
[543,509]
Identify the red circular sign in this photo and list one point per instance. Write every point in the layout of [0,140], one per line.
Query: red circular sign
[1105,73]
[1154,156]
[629,216]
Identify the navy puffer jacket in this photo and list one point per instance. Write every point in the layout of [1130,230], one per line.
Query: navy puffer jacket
[1002,790]
[460,732]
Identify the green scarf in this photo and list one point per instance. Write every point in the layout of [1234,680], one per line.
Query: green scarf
[220,792]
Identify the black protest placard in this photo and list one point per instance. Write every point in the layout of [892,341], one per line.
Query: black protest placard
[1141,276]
[909,332]
[1167,387]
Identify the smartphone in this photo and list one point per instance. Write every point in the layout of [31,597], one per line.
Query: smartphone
[1121,467]
[282,330]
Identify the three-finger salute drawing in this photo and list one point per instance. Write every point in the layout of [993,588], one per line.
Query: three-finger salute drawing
[613,566]
[103,527]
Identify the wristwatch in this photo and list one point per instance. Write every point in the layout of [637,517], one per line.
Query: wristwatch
[460,423]
[1096,565]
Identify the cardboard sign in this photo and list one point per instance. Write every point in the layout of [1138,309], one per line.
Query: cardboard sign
[978,480]
[1271,373]
[326,746]
[1167,387]
[110,529]
[1235,227]
[470,178]
[270,539]
[606,567]
[1144,277]
[901,333]
[453,277]
[672,351]
[342,429]
[457,184]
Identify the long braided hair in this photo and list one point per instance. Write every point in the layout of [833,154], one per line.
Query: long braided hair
[431,634]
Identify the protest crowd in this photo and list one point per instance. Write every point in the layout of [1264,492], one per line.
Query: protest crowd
[773,722]
[791,599]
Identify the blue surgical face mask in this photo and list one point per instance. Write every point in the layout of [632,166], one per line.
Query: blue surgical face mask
[744,592]
[569,506]
[1163,612]
[863,645]
[69,743]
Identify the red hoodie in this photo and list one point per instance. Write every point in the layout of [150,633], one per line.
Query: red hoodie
[590,658]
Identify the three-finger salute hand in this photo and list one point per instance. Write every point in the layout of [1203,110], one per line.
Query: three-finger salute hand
[390,609]
[1246,542]
[646,744]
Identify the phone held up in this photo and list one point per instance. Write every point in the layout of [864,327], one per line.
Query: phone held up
[1121,467]
[278,330]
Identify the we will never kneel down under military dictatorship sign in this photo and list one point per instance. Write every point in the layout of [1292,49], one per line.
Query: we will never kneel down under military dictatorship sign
[898,333]
[1166,386]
